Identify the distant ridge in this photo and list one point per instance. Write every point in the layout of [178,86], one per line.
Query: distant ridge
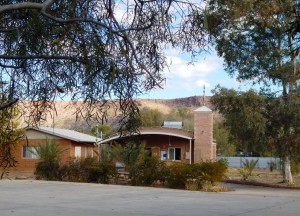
[66,119]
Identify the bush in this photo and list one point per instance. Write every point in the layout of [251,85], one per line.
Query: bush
[195,181]
[87,170]
[295,167]
[178,175]
[147,171]
[248,167]
[213,171]
[205,173]
[194,176]
[48,152]
[107,172]
[47,170]
[273,165]
[77,170]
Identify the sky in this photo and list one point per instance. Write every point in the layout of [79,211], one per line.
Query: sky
[186,80]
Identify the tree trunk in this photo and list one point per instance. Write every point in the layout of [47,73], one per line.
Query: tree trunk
[287,174]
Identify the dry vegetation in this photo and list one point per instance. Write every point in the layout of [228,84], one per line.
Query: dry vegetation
[262,177]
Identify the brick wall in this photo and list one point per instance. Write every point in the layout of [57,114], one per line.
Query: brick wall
[26,166]
[164,142]
[204,148]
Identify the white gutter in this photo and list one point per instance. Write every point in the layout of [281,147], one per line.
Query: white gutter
[144,133]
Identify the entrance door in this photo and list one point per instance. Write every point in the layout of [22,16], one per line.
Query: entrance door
[155,151]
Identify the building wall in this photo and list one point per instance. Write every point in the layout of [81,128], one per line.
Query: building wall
[26,166]
[164,142]
[204,149]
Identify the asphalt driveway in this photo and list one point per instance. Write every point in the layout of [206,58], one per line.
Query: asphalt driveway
[42,198]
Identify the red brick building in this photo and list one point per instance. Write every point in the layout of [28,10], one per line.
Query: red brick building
[76,145]
[169,144]
[173,144]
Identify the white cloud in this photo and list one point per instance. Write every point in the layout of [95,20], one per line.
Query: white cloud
[201,83]
[179,68]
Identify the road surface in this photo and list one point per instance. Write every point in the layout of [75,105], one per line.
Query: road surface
[42,198]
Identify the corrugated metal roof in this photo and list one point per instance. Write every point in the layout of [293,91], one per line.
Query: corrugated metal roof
[67,134]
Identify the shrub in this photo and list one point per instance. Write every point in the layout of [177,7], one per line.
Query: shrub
[107,172]
[213,171]
[178,175]
[195,180]
[129,154]
[248,167]
[205,173]
[87,170]
[224,161]
[147,171]
[76,170]
[48,170]
[295,167]
[48,152]
[272,165]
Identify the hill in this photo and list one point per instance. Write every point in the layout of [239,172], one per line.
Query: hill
[64,115]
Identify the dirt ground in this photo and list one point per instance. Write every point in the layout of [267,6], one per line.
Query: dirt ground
[262,176]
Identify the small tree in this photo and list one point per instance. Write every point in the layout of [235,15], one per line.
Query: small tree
[9,135]
[48,152]
[128,154]
[248,167]
[105,129]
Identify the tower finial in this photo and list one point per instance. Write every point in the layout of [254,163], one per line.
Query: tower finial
[203,97]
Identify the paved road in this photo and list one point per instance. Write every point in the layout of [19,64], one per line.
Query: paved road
[41,198]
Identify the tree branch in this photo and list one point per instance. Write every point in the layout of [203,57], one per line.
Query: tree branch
[26,5]
[43,57]
[22,5]
[59,20]
[9,104]
[10,66]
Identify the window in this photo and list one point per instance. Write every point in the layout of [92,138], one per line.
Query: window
[77,151]
[163,154]
[175,153]
[85,152]
[92,152]
[29,152]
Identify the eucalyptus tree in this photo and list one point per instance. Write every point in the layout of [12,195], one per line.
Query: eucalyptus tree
[150,117]
[245,117]
[253,38]
[92,50]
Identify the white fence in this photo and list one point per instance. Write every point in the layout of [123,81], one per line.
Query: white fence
[263,162]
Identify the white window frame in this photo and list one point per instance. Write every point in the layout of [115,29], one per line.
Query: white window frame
[172,155]
[85,151]
[92,152]
[29,152]
[77,152]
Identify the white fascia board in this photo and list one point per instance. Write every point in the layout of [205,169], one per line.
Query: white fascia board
[144,133]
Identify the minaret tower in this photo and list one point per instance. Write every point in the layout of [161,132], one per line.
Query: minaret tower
[204,148]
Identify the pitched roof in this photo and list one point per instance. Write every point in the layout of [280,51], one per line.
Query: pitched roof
[203,109]
[66,134]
